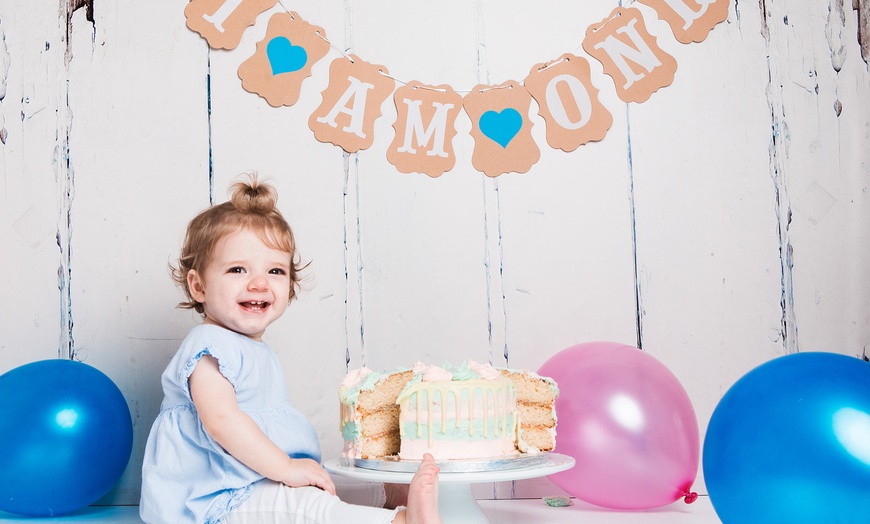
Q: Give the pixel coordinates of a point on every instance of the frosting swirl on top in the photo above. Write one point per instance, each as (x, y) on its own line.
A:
(432, 373)
(486, 371)
(463, 372)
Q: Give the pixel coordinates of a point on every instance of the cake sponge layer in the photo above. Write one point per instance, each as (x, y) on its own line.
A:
(542, 438)
(380, 422)
(536, 415)
(381, 446)
(384, 396)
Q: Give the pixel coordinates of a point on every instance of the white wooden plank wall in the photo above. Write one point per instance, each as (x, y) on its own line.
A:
(720, 224)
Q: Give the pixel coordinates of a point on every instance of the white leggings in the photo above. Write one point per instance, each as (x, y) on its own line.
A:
(273, 503)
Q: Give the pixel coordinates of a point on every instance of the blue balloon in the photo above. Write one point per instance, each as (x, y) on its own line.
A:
(790, 443)
(65, 437)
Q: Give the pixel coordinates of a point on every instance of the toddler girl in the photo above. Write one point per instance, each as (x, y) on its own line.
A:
(227, 445)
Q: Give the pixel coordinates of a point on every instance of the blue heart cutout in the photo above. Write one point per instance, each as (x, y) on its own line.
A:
(285, 57)
(501, 127)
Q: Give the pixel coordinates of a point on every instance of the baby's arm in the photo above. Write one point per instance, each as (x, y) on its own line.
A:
(215, 401)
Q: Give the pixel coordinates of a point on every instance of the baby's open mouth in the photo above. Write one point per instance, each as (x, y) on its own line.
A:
(255, 305)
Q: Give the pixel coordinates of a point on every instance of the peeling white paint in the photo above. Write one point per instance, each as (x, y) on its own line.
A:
(834, 29)
(5, 58)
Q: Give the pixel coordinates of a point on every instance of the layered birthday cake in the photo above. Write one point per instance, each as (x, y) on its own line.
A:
(470, 411)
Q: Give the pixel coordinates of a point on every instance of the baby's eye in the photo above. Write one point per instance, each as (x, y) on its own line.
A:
(236, 269)
(277, 271)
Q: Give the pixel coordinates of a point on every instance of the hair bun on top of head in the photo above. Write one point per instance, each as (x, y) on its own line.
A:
(251, 195)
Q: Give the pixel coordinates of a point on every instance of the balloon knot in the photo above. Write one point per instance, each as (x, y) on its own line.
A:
(690, 496)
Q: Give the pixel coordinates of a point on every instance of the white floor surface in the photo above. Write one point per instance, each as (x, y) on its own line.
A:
(497, 511)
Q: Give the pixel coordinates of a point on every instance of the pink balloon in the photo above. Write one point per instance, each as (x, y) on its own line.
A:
(629, 424)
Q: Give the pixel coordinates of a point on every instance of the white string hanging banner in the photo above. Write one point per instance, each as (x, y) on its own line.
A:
(425, 126)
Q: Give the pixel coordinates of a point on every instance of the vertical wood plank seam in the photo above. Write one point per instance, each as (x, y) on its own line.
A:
(835, 28)
(347, 256)
(481, 64)
(494, 267)
(496, 317)
(346, 268)
(491, 226)
(66, 184)
(482, 71)
(69, 8)
(5, 60)
(638, 290)
(360, 265)
(863, 9)
(353, 264)
(778, 154)
(210, 124)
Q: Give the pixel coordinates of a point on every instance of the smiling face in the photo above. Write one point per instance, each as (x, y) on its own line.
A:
(245, 286)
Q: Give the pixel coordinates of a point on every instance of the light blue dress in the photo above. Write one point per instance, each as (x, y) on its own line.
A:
(187, 477)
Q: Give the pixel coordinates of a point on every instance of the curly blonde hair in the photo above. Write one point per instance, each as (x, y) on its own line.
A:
(252, 205)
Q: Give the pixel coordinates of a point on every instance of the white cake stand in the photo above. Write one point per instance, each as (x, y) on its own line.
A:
(455, 500)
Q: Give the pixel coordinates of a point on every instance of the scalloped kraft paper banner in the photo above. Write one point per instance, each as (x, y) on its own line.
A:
(283, 59)
(690, 20)
(501, 129)
(568, 102)
(425, 126)
(222, 22)
(351, 103)
(630, 55)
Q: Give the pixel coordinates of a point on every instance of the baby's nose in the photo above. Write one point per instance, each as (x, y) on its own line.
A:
(258, 282)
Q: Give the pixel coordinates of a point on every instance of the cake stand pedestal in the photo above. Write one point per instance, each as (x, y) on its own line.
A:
(455, 500)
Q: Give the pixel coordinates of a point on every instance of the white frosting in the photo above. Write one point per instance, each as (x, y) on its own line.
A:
(355, 377)
(430, 373)
(437, 374)
(486, 371)
(458, 419)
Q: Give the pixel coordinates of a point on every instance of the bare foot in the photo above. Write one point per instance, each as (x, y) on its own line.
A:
(423, 494)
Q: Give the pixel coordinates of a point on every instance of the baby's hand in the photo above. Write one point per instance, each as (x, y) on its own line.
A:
(307, 472)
